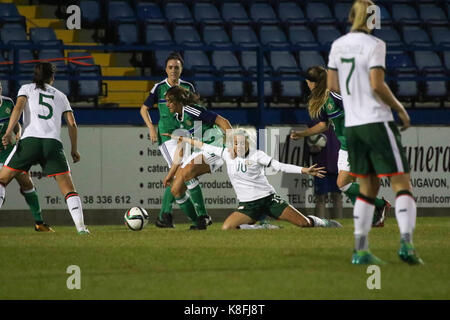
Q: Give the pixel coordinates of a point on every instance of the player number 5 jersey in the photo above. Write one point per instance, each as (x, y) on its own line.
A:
(43, 111)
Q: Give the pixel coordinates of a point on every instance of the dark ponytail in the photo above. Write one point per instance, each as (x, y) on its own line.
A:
(181, 95)
(43, 73)
(319, 94)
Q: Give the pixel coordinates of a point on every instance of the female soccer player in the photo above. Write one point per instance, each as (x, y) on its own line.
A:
(326, 106)
(356, 69)
(257, 197)
(208, 126)
(24, 180)
(166, 124)
(43, 106)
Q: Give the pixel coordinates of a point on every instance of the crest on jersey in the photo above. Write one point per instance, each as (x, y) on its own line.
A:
(8, 110)
(189, 122)
(330, 106)
(248, 162)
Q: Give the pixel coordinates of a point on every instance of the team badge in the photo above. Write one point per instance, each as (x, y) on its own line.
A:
(8, 110)
(189, 122)
(330, 106)
(248, 162)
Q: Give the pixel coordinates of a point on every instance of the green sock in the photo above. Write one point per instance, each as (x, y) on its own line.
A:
(188, 208)
(32, 199)
(196, 195)
(353, 192)
(167, 201)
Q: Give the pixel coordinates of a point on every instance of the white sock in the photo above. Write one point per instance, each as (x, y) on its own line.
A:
(76, 210)
(316, 221)
(406, 212)
(2, 194)
(362, 219)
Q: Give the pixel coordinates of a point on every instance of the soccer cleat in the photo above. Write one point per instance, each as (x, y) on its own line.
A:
(166, 221)
(329, 223)
(43, 227)
(202, 223)
(84, 231)
(408, 254)
(380, 214)
(365, 257)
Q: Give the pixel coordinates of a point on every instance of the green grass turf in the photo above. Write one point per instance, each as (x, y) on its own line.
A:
(289, 263)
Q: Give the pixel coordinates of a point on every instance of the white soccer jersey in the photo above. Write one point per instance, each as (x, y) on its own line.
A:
(247, 174)
(43, 111)
(353, 55)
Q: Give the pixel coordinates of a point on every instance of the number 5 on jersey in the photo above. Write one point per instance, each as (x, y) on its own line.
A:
(45, 104)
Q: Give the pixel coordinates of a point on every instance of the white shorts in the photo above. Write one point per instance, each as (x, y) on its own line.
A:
(214, 161)
(343, 164)
(168, 151)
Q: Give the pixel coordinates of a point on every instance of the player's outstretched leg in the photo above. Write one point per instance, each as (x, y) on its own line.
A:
(73, 201)
(165, 219)
(296, 217)
(234, 220)
(31, 197)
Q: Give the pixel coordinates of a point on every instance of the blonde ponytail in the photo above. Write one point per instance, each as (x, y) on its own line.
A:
(358, 15)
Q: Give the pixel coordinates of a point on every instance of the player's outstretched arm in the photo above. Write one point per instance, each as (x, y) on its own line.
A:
(73, 135)
(14, 120)
(290, 168)
(318, 128)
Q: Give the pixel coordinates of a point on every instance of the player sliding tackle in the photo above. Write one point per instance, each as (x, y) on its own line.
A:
(257, 198)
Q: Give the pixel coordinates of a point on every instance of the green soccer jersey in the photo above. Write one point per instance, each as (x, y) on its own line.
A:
(200, 123)
(167, 122)
(333, 110)
(6, 107)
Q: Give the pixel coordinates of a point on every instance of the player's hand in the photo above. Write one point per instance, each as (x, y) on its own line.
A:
(296, 135)
(75, 156)
(313, 171)
(153, 134)
(406, 121)
(167, 181)
(7, 139)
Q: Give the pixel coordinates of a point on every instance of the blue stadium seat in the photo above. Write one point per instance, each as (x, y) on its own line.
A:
(12, 32)
(404, 13)
(447, 59)
(326, 34)
(10, 14)
(149, 12)
(268, 88)
(389, 35)
(233, 88)
(299, 35)
(319, 12)
(283, 61)
(62, 85)
(90, 12)
(428, 61)
(291, 89)
(215, 35)
(207, 13)
(341, 11)
(415, 35)
(263, 13)
(407, 88)
(290, 12)
(243, 35)
(178, 12)
(225, 61)
(269, 34)
(53, 54)
(206, 88)
(436, 88)
(4, 68)
(127, 34)
(441, 35)
(386, 18)
(120, 11)
(42, 34)
(309, 59)
(187, 35)
(196, 60)
(157, 33)
(398, 60)
(432, 14)
(159, 57)
(5, 84)
(234, 12)
(76, 66)
(88, 89)
(249, 61)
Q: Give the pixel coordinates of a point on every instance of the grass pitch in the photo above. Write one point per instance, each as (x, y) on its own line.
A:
(289, 263)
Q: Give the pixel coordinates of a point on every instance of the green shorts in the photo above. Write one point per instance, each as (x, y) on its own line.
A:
(4, 153)
(49, 153)
(376, 148)
(271, 205)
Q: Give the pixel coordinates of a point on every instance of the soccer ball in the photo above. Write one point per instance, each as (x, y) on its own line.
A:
(136, 218)
(317, 140)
